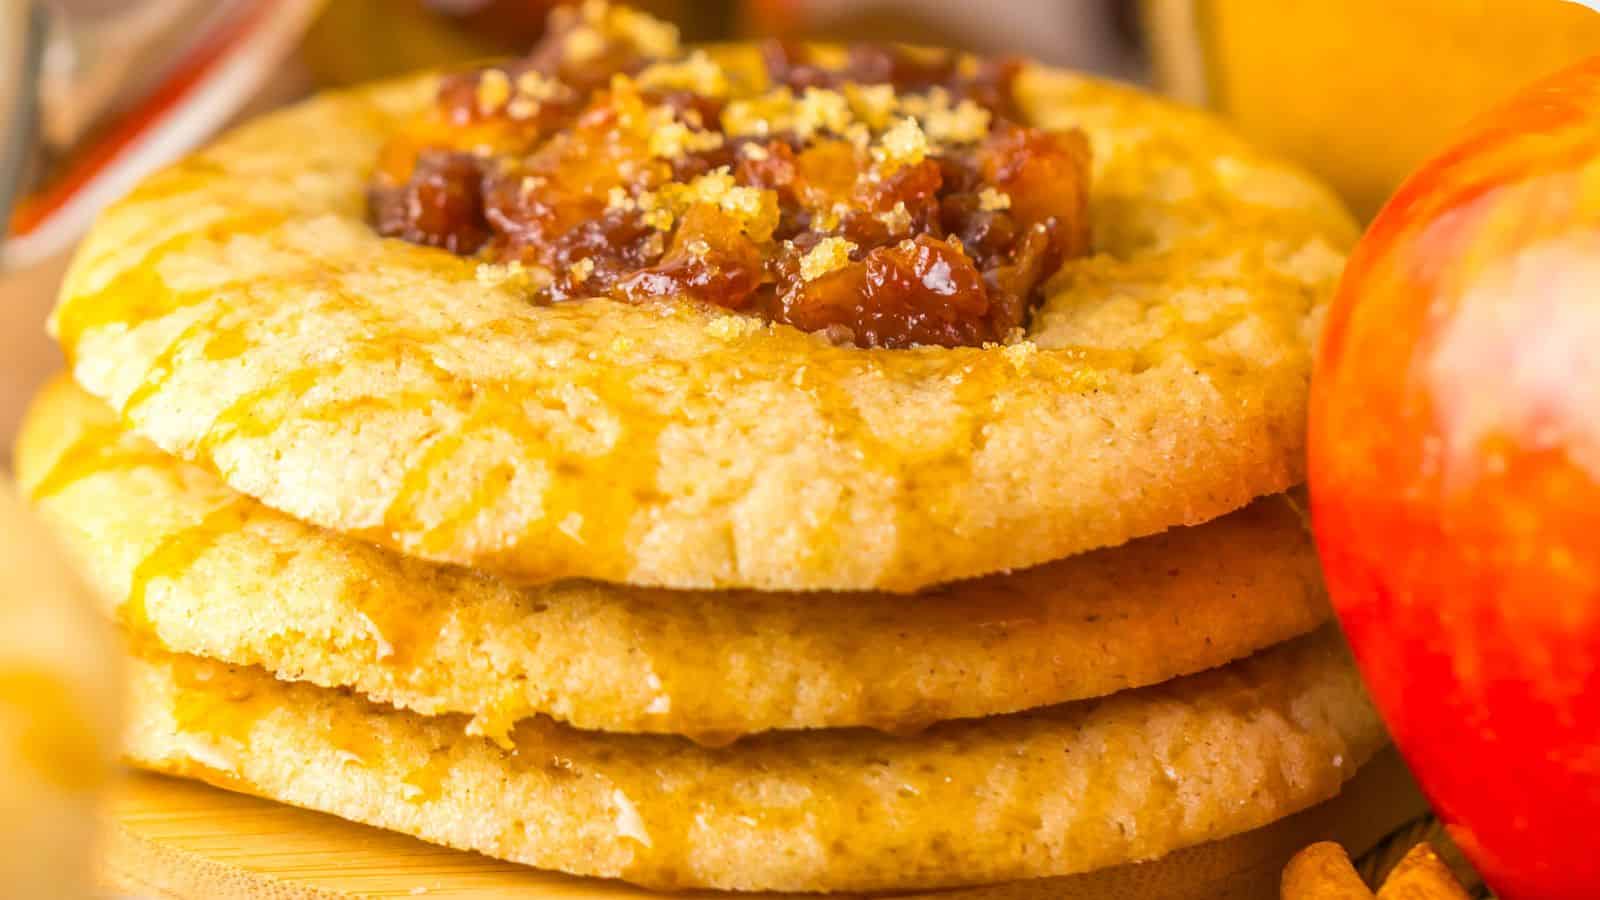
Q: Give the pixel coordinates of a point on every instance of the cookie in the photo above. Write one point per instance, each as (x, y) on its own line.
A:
(201, 569)
(240, 311)
(1053, 792)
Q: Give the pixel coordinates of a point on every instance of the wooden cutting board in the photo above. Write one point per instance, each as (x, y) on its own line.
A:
(177, 840)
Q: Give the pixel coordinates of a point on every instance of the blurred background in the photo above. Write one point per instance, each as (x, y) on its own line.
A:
(1359, 90)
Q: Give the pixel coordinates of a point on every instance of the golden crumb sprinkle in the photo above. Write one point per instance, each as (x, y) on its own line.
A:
(581, 270)
(965, 123)
(821, 111)
(675, 139)
(730, 328)
(697, 74)
(874, 104)
(512, 274)
(817, 111)
(658, 218)
(713, 186)
(904, 144)
(1020, 353)
(494, 90)
(830, 255)
(750, 204)
(494, 274)
(767, 114)
(536, 86)
(897, 220)
(619, 200)
(992, 200)
(946, 121)
(756, 210)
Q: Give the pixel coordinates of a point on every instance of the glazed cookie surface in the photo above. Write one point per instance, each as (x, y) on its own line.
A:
(1054, 792)
(185, 560)
(239, 311)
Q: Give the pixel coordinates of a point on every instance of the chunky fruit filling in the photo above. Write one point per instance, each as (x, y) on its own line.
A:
(884, 198)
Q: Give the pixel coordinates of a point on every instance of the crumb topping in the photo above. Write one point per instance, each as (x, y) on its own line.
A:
(830, 255)
(494, 91)
(991, 200)
(695, 75)
(904, 144)
(896, 199)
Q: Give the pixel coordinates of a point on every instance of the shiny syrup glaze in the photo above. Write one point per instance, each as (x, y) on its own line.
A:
(404, 629)
(850, 227)
(402, 632)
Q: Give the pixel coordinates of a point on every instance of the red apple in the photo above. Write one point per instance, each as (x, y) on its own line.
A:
(1455, 476)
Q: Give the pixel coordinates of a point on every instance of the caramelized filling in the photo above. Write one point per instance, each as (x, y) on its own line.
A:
(893, 200)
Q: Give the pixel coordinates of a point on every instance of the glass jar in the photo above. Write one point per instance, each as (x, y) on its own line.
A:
(1361, 91)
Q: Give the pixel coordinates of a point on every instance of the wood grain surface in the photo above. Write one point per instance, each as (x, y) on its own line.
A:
(180, 840)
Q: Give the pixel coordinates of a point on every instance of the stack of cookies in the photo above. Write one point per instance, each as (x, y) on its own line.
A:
(683, 590)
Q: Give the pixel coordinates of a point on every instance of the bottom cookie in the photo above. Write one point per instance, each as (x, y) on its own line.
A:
(1060, 791)
(187, 841)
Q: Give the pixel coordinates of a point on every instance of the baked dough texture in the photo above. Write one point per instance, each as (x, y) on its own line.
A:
(184, 559)
(238, 311)
(1053, 792)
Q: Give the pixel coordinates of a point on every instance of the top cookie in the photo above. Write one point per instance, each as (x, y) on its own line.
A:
(242, 310)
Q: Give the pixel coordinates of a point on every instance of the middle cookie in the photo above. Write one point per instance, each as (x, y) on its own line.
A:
(202, 570)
